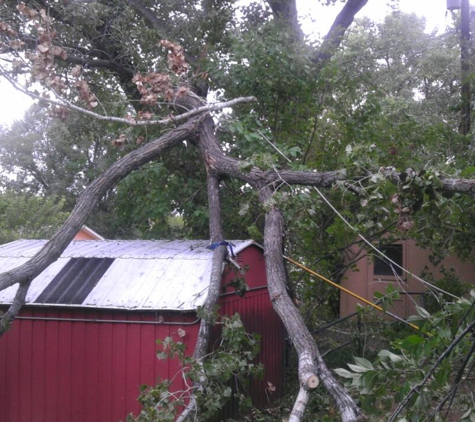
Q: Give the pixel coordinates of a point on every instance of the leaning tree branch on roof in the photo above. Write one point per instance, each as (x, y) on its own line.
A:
(216, 235)
(204, 333)
(18, 301)
(84, 206)
(310, 362)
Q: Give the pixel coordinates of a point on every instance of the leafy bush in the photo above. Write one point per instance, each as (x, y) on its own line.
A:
(420, 375)
(450, 282)
(209, 380)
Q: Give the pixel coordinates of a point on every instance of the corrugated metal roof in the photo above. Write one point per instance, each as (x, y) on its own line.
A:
(75, 281)
(144, 275)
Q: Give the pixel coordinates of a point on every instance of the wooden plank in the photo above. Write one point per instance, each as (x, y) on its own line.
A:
(64, 370)
(93, 400)
(52, 346)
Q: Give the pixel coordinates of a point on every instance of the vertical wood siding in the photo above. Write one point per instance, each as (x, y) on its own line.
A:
(75, 371)
(259, 317)
(82, 371)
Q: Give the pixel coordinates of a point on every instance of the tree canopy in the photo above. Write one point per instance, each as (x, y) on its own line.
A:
(206, 118)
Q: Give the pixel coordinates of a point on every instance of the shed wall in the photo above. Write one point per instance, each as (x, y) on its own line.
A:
(56, 367)
(259, 317)
(83, 371)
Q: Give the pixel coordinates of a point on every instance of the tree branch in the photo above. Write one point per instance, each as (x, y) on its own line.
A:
(61, 102)
(88, 200)
(298, 332)
(447, 184)
(335, 35)
(216, 235)
(148, 16)
(19, 300)
(299, 406)
(286, 12)
(416, 388)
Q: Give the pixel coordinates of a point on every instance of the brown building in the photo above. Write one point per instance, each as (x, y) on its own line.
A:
(372, 275)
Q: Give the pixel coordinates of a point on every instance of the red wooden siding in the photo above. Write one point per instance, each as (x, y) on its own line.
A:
(82, 371)
(86, 365)
(260, 318)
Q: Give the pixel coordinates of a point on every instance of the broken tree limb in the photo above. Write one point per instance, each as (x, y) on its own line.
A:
(84, 206)
(297, 330)
(216, 235)
(307, 377)
(18, 302)
(62, 102)
(311, 364)
(299, 406)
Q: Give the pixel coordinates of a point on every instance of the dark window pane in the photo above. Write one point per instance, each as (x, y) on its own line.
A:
(384, 267)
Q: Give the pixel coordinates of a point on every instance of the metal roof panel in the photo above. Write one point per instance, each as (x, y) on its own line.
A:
(145, 274)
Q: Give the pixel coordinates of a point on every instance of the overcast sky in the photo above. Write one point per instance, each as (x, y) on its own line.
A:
(14, 104)
(433, 10)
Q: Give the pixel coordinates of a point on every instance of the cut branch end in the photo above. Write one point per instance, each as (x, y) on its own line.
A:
(313, 381)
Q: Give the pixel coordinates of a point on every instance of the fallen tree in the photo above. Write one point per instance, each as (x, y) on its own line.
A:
(181, 92)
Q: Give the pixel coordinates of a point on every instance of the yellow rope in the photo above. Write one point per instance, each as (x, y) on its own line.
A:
(379, 308)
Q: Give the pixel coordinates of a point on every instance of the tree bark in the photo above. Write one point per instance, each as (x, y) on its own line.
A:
(84, 206)
(219, 254)
(300, 336)
(286, 12)
(335, 35)
(300, 405)
(14, 308)
(465, 114)
(311, 364)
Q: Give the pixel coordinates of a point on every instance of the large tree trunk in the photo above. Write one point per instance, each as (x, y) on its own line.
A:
(311, 364)
(219, 254)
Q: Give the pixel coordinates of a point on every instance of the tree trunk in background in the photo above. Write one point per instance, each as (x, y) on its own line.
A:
(465, 115)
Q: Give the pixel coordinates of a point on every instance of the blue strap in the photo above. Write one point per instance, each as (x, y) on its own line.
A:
(213, 246)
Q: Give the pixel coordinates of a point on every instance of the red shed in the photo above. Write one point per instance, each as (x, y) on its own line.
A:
(85, 341)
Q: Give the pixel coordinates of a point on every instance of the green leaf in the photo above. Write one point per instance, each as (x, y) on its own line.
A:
(368, 381)
(422, 312)
(412, 340)
(467, 172)
(365, 363)
(467, 413)
(344, 373)
(357, 368)
(384, 354)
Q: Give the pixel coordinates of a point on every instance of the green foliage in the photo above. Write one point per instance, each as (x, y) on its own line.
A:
(415, 361)
(57, 159)
(29, 216)
(450, 282)
(222, 376)
(240, 285)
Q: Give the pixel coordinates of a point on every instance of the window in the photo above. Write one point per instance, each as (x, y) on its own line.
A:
(383, 266)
